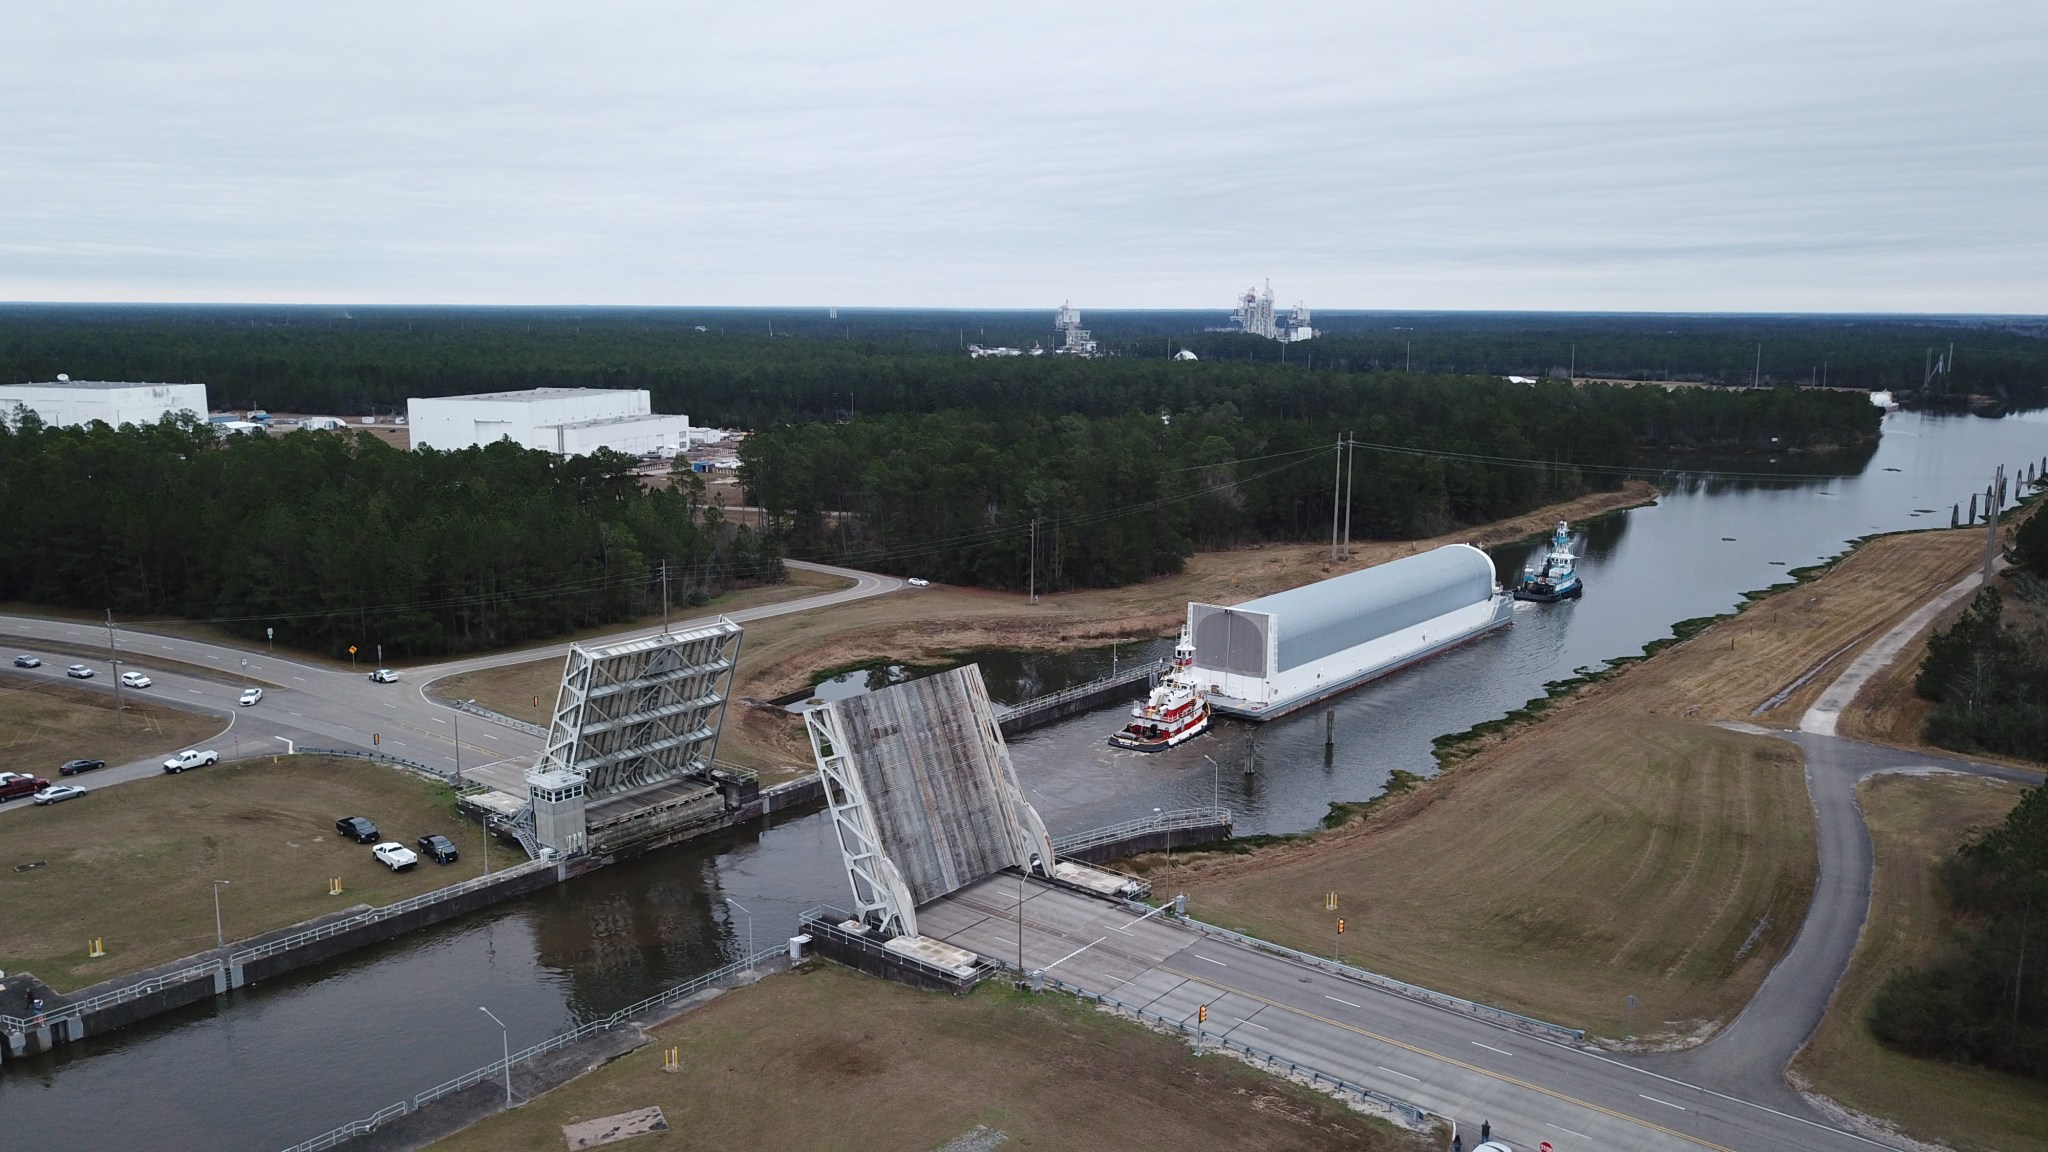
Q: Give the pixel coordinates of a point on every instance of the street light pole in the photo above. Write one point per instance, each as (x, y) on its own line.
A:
(458, 746)
(750, 925)
(220, 939)
(505, 1034)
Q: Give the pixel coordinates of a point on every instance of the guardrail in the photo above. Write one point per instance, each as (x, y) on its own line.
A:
(497, 1068)
(1414, 1113)
(475, 709)
(1500, 1016)
(1129, 675)
(372, 916)
(104, 1000)
(1163, 822)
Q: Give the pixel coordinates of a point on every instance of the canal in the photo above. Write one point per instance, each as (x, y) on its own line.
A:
(269, 1066)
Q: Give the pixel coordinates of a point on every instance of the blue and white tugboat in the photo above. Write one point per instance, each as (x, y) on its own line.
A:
(1558, 577)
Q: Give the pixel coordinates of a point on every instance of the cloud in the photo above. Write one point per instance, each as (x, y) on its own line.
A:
(1873, 156)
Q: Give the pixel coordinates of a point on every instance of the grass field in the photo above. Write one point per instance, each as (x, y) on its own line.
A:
(1619, 845)
(1915, 823)
(821, 1057)
(44, 724)
(1612, 857)
(136, 864)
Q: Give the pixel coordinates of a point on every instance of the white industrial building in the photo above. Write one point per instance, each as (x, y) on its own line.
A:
(570, 421)
(70, 403)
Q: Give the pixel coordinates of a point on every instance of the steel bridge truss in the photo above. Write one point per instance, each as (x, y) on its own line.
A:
(923, 795)
(644, 711)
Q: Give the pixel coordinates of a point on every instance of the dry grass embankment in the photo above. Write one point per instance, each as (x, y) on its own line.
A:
(821, 1057)
(136, 864)
(44, 724)
(1620, 846)
(1916, 822)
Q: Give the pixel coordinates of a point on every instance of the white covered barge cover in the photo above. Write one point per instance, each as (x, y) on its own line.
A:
(1269, 656)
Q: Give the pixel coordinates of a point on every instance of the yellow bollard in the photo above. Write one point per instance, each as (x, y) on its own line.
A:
(97, 948)
(334, 886)
(672, 1060)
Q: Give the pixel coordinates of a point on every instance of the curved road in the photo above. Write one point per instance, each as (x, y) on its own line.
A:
(311, 705)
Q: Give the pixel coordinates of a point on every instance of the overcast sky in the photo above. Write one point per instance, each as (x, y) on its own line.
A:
(1857, 156)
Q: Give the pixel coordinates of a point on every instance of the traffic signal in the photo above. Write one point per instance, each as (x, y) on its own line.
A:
(1202, 1014)
(1340, 925)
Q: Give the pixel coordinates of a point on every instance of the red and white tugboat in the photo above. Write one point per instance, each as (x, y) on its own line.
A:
(1174, 712)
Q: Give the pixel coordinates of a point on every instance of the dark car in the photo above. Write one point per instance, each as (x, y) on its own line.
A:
(356, 828)
(439, 848)
(74, 767)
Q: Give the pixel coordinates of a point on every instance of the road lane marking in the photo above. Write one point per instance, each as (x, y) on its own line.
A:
(1491, 1048)
(438, 720)
(1457, 1063)
(1218, 963)
(1402, 1075)
(300, 679)
(1569, 1132)
(1343, 1001)
(488, 736)
(1260, 1027)
(1666, 1103)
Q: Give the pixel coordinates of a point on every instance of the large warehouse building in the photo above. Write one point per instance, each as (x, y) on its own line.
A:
(69, 403)
(1266, 657)
(571, 421)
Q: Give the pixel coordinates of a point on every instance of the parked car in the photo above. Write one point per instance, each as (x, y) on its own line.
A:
(395, 856)
(439, 848)
(74, 767)
(134, 680)
(16, 784)
(918, 582)
(384, 676)
(191, 758)
(78, 672)
(251, 696)
(56, 792)
(356, 828)
(26, 661)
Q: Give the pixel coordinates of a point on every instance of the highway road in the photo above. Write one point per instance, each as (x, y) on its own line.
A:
(313, 705)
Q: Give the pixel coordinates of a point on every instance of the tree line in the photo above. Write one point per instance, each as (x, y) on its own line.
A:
(339, 540)
(758, 367)
(1007, 496)
(1987, 673)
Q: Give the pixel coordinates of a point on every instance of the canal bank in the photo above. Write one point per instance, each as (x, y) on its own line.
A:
(291, 1054)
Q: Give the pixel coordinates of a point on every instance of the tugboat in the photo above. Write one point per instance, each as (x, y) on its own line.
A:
(1558, 578)
(1173, 713)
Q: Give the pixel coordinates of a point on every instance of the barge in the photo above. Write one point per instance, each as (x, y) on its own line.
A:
(1270, 656)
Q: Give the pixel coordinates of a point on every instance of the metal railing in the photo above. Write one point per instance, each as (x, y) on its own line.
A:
(118, 996)
(1127, 676)
(497, 1068)
(475, 709)
(1174, 821)
(1414, 1113)
(1429, 996)
(384, 758)
(373, 915)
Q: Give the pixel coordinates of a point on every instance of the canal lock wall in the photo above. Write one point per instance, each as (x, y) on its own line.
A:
(1080, 698)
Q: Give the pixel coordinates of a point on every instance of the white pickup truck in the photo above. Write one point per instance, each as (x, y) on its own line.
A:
(191, 758)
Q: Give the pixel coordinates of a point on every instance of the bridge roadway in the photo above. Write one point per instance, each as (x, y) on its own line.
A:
(307, 704)
(1453, 1064)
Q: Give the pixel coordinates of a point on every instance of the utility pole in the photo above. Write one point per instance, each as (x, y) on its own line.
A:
(458, 746)
(1994, 501)
(1350, 487)
(1756, 375)
(1033, 586)
(114, 662)
(1336, 495)
(664, 597)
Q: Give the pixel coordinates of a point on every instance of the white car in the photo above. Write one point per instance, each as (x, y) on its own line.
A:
(191, 758)
(78, 672)
(918, 582)
(56, 792)
(384, 676)
(251, 696)
(134, 680)
(395, 856)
